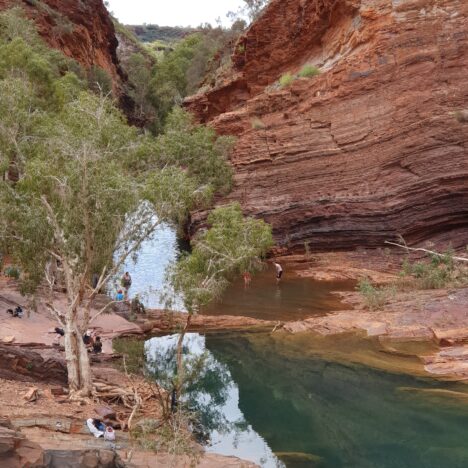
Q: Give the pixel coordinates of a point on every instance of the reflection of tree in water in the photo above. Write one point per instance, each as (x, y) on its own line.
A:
(206, 382)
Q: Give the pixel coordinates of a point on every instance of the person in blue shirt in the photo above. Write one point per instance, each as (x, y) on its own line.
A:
(120, 295)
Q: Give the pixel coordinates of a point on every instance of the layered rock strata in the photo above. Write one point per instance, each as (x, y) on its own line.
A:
(82, 30)
(373, 146)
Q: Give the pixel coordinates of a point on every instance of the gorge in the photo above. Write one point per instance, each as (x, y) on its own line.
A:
(350, 126)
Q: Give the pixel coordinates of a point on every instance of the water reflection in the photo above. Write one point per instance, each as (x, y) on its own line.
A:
(313, 412)
(213, 395)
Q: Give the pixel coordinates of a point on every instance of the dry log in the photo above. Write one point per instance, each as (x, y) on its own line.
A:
(419, 249)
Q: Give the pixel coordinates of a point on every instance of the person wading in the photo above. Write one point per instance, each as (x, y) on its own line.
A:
(279, 271)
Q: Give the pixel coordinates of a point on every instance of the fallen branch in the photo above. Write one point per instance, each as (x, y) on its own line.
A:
(419, 249)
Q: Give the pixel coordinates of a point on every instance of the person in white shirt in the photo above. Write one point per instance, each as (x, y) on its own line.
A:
(279, 271)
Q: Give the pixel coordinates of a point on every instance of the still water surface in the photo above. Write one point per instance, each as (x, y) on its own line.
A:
(283, 401)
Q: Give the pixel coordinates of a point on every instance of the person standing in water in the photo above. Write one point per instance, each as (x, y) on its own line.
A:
(247, 279)
(126, 282)
(279, 271)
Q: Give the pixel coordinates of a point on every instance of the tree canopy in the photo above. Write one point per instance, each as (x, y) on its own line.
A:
(232, 245)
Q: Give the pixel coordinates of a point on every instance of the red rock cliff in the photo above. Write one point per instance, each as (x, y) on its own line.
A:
(368, 149)
(82, 30)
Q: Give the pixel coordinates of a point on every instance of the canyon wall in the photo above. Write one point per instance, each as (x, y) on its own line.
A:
(373, 147)
(82, 30)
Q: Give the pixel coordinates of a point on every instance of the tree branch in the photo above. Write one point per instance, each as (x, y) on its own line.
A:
(414, 249)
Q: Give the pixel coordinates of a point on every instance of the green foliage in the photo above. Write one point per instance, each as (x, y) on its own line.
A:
(99, 80)
(181, 70)
(154, 32)
(196, 148)
(138, 68)
(439, 272)
(232, 245)
(173, 437)
(286, 80)
(307, 71)
(250, 9)
(134, 352)
(170, 84)
(375, 297)
(12, 272)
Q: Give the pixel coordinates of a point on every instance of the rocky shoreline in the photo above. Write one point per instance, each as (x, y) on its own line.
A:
(31, 360)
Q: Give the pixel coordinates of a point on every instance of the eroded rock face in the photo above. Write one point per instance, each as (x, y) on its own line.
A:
(82, 30)
(368, 149)
(16, 451)
(29, 366)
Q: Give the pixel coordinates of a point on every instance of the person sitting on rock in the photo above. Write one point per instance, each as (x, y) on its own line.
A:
(18, 312)
(119, 296)
(96, 427)
(87, 338)
(109, 433)
(137, 306)
(97, 345)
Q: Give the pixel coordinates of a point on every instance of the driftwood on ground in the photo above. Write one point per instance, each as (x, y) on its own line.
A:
(431, 252)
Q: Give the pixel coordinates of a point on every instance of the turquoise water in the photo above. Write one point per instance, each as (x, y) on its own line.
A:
(264, 400)
(313, 412)
(296, 401)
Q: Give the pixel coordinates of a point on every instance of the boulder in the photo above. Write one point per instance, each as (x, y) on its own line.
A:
(18, 452)
(19, 363)
(83, 459)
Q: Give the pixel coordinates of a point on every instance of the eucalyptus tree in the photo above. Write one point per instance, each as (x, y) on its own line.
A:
(232, 245)
(79, 204)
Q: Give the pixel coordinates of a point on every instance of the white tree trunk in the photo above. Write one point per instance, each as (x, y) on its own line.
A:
(86, 381)
(71, 356)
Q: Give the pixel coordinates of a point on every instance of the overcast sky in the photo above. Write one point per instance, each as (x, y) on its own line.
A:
(172, 12)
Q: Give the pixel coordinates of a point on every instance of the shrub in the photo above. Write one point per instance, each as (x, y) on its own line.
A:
(12, 272)
(257, 124)
(134, 351)
(99, 80)
(308, 71)
(374, 297)
(286, 80)
(438, 272)
(172, 436)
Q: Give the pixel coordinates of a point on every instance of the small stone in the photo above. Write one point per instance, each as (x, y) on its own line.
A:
(104, 412)
(8, 339)
(31, 395)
